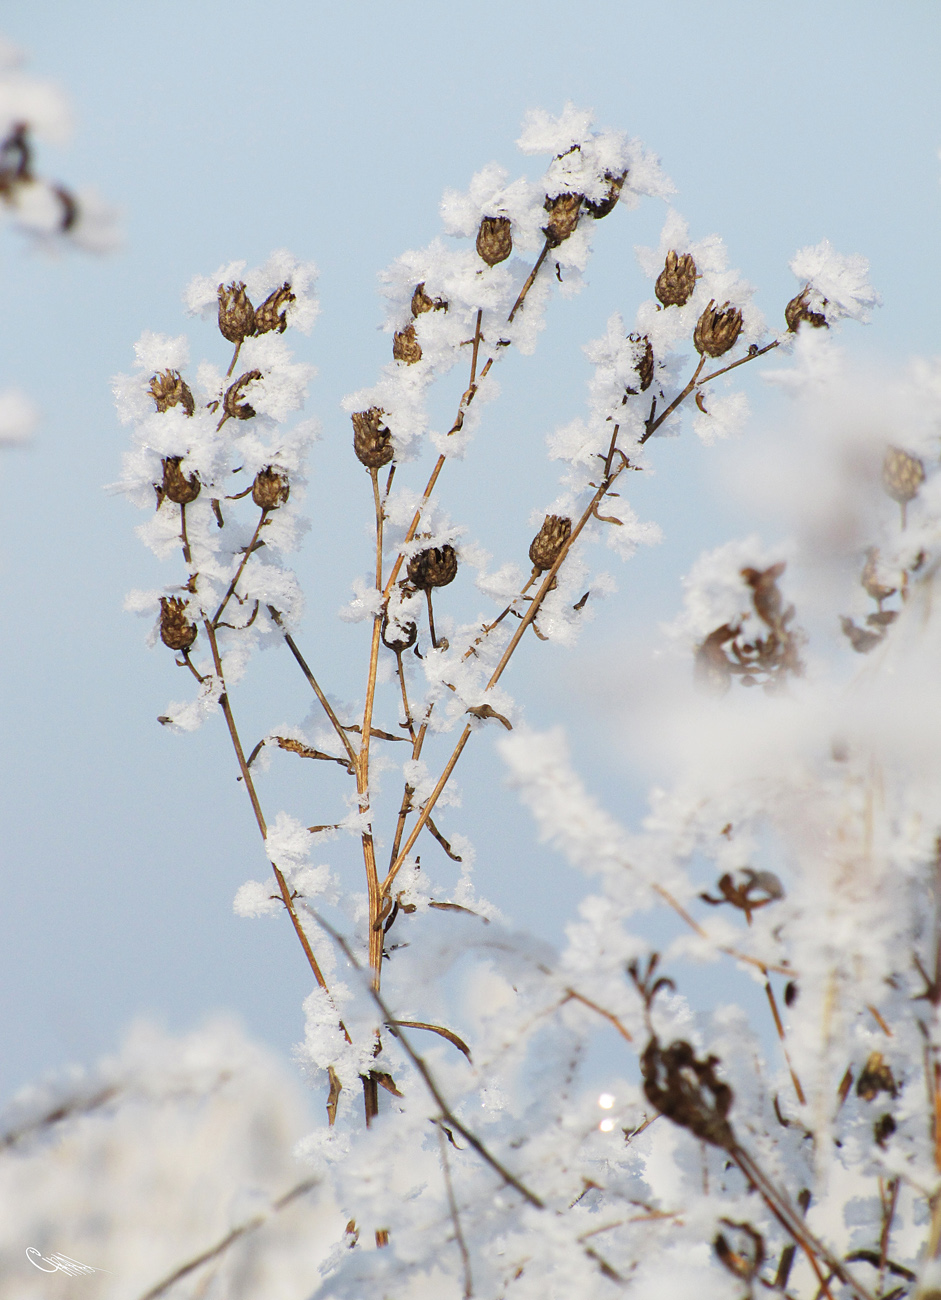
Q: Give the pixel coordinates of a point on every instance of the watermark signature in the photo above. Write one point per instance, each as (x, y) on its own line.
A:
(58, 1263)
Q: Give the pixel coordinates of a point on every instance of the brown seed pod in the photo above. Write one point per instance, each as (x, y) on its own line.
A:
(406, 347)
(231, 404)
(270, 489)
(236, 313)
(601, 207)
(643, 363)
(797, 311)
(176, 631)
(548, 542)
(435, 567)
(422, 303)
(869, 578)
(168, 388)
(176, 486)
(407, 635)
(717, 329)
(876, 1077)
(677, 280)
(564, 211)
(902, 475)
(494, 240)
(372, 441)
(269, 315)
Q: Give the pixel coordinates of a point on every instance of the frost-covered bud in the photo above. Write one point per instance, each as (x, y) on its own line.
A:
(643, 363)
(372, 441)
(406, 347)
(236, 313)
(494, 241)
(677, 280)
(548, 542)
(176, 486)
(601, 207)
(270, 489)
(176, 631)
(231, 404)
(168, 388)
(433, 568)
(717, 329)
(269, 315)
(870, 578)
(564, 211)
(876, 1077)
(797, 310)
(422, 303)
(902, 475)
(404, 635)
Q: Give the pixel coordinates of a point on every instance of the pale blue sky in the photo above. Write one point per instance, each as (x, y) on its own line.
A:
(227, 129)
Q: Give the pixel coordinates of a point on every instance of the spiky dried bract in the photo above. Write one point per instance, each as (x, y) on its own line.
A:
(176, 631)
(547, 544)
(435, 567)
(422, 303)
(717, 329)
(270, 489)
(168, 388)
(236, 313)
(176, 486)
(494, 240)
(687, 1091)
(232, 403)
(564, 211)
(798, 311)
(602, 207)
(270, 316)
(372, 440)
(406, 347)
(677, 280)
(902, 475)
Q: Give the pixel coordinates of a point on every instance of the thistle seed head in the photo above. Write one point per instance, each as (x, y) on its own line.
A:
(269, 315)
(717, 329)
(372, 441)
(564, 211)
(494, 240)
(231, 403)
(236, 313)
(176, 486)
(677, 280)
(797, 310)
(601, 207)
(435, 567)
(422, 303)
(168, 388)
(398, 636)
(902, 475)
(406, 347)
(270, 489)
(176, 631)
(643, 363)
(548, 542)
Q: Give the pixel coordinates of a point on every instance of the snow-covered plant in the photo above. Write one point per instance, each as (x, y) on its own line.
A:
(784, 1142)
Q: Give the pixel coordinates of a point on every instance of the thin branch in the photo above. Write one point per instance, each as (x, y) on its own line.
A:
(240, 570)
(312, 682)
(455, 1218)
(530, 281)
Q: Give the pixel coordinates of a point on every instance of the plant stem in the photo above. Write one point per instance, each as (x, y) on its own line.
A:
(362, 766)
(241, 569)
(312, 682)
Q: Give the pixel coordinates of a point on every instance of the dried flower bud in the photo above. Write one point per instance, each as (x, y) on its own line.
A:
(176, 486)
(406, 347)
(548, 542)
(902, 475)
(372, 441)
(404, 635)
(176, 631)
(876, 1077)
(231, 404)
(643, 363)
(797, 310)
(433, 568)
(870, 578)
(494, 241)
(236, 313)
(717, 329)
(677, 280)
(269, 315)
(601, 207)
(270, 489)
(422, 303)
(167, 388)
(564, 211)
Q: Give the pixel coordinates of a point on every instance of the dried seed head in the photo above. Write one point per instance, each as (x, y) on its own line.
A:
(797, 310)
(167, 388)
(869, 578)
(677, 280)
(176, 631)
(548, 542)
(180, 489)
(433, 568)
(876, 1077)
(643, 363)
(269, 315)
(398, 636)
(601, 207)
(236, 313)
(270, 489)
(406, 347)
(564, 211)
(231, 404)
(717, 329)
(494, 240)
(902, 475)
(422, 303)
(372, 441)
